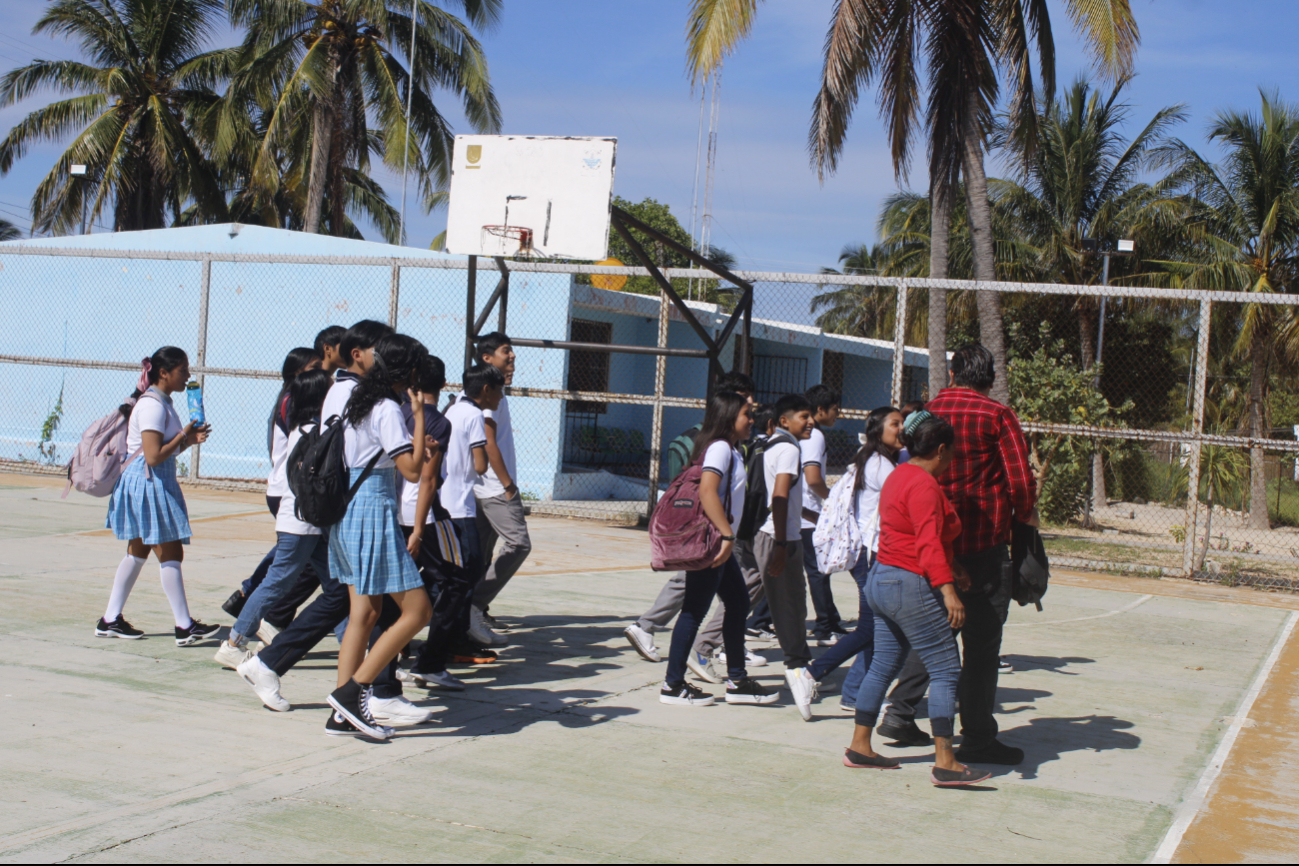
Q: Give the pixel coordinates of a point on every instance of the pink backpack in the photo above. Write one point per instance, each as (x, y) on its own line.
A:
(682, 538)
(101, 456)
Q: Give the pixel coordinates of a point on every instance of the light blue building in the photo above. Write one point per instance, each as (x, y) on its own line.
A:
(101, 308)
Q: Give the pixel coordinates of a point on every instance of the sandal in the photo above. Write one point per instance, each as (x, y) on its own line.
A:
(858, 761)
(958, 778)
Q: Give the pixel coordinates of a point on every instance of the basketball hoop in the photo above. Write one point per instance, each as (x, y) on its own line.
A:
(522, 236)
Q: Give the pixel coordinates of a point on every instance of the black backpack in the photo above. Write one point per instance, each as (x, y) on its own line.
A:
(317, 475)
(755, 492)
(1032, 571)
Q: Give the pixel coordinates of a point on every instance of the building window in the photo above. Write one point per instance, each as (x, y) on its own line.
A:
(588, 370)
(775, 376)
(832, 370)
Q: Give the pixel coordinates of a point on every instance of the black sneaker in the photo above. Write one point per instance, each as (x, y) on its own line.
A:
(196, 632)
(748, 691)
(992, 752)
(685, 695)
(908, 734)
(352, 700)
(117, 628)
(234, 605)
(840, 629)
(337, 726)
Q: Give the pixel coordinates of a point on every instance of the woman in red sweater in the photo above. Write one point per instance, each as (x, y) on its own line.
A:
(912, 591)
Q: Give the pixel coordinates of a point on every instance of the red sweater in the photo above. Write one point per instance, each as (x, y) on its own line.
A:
(917, 525)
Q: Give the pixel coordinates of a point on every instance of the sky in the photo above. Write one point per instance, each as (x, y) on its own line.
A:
(598, 67)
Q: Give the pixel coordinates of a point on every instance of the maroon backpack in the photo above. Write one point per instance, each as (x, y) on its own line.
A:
(682, 538)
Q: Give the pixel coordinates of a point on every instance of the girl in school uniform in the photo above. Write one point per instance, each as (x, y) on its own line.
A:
(367, 549)
(147, 509)
(727, 422)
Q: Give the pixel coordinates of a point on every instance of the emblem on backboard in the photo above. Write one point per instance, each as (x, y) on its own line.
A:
(473, 153)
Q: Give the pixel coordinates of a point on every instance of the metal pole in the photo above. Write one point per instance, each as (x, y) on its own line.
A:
(505, 294)
(410, 90)
(1197, 431)
(746, 360)
(656, 427)
(900, 344)
(205, 293)
(470, 305)
(394, 296)
(1100, 330)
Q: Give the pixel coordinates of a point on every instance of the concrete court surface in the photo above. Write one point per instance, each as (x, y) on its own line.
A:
(111, 750)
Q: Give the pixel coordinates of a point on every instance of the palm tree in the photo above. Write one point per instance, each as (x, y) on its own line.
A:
(1246, 215)
(144, 82)
(965, 45)
(333, 67)
(9, 231)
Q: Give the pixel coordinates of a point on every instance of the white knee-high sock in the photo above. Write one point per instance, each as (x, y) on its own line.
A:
(174, 585)
(127, 572)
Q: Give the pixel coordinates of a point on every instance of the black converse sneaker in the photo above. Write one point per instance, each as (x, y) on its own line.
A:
(748, 691)
(196, 632)
(337, 726)
(685, 695)
(117, 628)
(352, 700)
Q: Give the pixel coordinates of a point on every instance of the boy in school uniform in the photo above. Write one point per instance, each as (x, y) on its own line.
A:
(327, 347)
(778, 546)
(500, 508)
(825, 413)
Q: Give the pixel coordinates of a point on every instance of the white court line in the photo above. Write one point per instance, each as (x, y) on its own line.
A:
(1192, 805)
(1133, 606)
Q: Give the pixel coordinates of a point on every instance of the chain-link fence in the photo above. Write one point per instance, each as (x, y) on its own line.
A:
(1189, 392)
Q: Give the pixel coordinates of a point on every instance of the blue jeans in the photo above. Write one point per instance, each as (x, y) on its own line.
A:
(818, 586)
(292, 554)
(727, 584)
(910, 613)
(860, 642)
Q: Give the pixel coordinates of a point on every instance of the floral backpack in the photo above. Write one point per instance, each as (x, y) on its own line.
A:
(837, 537)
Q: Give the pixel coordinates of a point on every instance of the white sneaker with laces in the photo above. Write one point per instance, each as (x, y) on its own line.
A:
(643, 642)
(481, 633)
(751, 659)
(397, 712)
(266, 632)
(701, 666)
(265, 682)
(231, 656)
(803, 689)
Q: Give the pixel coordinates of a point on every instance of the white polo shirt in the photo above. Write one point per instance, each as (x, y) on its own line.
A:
(489, 485)
(158, 415)
(382, 432)
(721, 459)
(339, 393)
(783, 458)
(458, 475)
(813, 451)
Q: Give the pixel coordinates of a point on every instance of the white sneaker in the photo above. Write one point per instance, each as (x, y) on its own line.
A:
(751, 659)
(266, 633)
(265, 683)
(481, 633)
(397, 712)
(231, 656)
(440, 680)
(701, 666)
(803, 689)
(643, 642)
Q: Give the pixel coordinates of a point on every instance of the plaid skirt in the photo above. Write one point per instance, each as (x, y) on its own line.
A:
(150, 509)
(367, 548)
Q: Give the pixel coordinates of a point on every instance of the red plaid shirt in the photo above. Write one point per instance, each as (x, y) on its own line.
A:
(990, 480)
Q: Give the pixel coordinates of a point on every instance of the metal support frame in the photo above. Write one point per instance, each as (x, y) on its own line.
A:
(656, 414)
(200, 352)
(394, 295)
(471, 307)
(1197, 431)
(474, 320)
(899, 341)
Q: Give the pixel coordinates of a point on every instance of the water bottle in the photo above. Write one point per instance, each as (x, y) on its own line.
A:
(194, 394)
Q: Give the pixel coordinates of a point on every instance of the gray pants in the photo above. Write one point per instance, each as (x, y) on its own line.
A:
(710, 638)
(666, 606)
(787, 598)
(913, 682)
(501, 518)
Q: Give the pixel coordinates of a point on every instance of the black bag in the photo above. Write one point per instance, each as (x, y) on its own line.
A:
(1031, 570)
(317, 475)
(755, 492)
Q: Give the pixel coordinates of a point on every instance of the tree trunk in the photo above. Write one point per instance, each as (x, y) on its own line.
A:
(322, 127)
(1087, 324)
(1257, 475)
(991, 328)
(1208, 531)
(940, 205)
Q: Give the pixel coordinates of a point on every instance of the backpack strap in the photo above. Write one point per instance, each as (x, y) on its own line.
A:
(365, 473)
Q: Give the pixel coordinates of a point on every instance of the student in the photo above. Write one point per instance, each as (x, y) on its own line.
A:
(367, 550)
(825, 412)
(298, 361)
(500, 509)
(327, 347)
(779, 546)
(727, 422)
(912, 591)
(356, 354)
(448, 584)
(640, 634)
(465, 463)
(298, 544)
(874, 463)
(147, 509)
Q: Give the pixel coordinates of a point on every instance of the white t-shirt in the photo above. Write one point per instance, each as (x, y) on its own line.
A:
(458, 475)
(813, 450)
(383, 430)
(878, 469)
(783, 458)
(277, 483)
(152, 414)
(725, 461)
(489, 485)
(285, 519)
(339, 393)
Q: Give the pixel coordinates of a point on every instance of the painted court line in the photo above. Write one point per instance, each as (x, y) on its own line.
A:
(1192, 805)
(1133, 606)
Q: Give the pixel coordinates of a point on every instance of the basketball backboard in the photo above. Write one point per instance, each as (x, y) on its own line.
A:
(540, 196)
